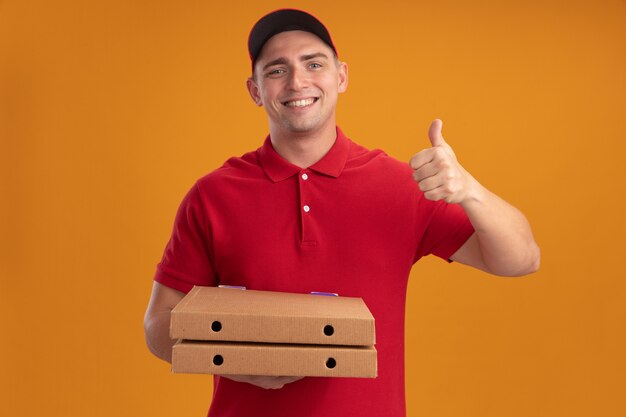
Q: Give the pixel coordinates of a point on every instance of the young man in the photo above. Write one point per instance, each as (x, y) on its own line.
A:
(310, 210)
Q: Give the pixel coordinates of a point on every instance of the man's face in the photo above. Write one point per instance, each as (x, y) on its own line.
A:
(297, 79)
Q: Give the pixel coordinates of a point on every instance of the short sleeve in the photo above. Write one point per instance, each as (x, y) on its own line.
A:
(186, 260)
(447, 229)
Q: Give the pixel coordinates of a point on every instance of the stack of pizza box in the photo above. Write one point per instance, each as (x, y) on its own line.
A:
(230, 331)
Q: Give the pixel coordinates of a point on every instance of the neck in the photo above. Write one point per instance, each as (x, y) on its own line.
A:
(303, 149)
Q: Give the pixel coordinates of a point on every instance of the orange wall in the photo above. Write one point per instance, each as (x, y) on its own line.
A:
(109, 111)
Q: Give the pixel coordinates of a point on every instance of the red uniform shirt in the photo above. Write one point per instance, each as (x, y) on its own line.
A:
(353, 223)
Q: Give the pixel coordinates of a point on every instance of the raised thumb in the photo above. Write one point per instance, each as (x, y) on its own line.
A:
(434, 133)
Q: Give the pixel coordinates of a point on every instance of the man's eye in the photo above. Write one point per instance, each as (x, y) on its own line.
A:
(276, 71)
(315, 65)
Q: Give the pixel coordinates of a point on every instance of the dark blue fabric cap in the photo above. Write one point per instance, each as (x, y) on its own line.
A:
(284, 20)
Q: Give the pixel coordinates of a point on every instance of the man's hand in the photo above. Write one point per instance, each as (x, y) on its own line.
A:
(503, 242)
(267, 382)
(438, 173)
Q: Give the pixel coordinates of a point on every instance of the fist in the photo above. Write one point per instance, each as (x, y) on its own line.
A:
(438, 173)
(267, 382)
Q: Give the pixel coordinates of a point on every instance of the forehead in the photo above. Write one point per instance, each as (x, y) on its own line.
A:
(294, 42)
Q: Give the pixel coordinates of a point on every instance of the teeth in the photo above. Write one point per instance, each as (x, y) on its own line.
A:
(300, 103)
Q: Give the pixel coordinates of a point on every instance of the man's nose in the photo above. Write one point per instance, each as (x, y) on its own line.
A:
(297, 79)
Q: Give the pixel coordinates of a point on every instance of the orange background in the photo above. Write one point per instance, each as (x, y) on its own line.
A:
(110, 110)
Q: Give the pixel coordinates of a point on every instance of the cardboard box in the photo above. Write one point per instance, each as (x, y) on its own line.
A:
(212, 313)
(236, 358)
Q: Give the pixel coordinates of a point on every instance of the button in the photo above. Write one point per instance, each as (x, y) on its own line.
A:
(306, 209)
(305, 177)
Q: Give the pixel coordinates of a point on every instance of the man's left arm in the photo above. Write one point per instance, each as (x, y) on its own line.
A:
(503, 242)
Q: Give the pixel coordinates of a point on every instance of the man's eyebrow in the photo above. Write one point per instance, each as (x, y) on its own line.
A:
(283, 61)
(279, 61)
(315, 55)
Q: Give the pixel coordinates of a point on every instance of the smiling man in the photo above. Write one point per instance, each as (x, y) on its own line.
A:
(311, 210)
(297, 78)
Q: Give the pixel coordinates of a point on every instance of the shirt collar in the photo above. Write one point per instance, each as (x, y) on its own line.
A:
(277, 168)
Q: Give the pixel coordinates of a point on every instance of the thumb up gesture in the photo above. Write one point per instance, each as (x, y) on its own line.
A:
(438, 173)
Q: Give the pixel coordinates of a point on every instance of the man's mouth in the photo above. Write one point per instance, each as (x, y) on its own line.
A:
(300, 103)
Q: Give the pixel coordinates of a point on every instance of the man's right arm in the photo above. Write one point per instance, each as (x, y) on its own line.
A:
(156, 323)
(156, 327)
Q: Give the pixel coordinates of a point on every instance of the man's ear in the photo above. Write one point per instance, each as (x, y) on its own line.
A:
(253, 89)
(343, 77)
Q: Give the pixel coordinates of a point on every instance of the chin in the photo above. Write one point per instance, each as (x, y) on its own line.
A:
(301, 129)
(302, 126)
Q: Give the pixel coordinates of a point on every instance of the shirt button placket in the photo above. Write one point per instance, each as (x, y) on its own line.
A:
(306, 219)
